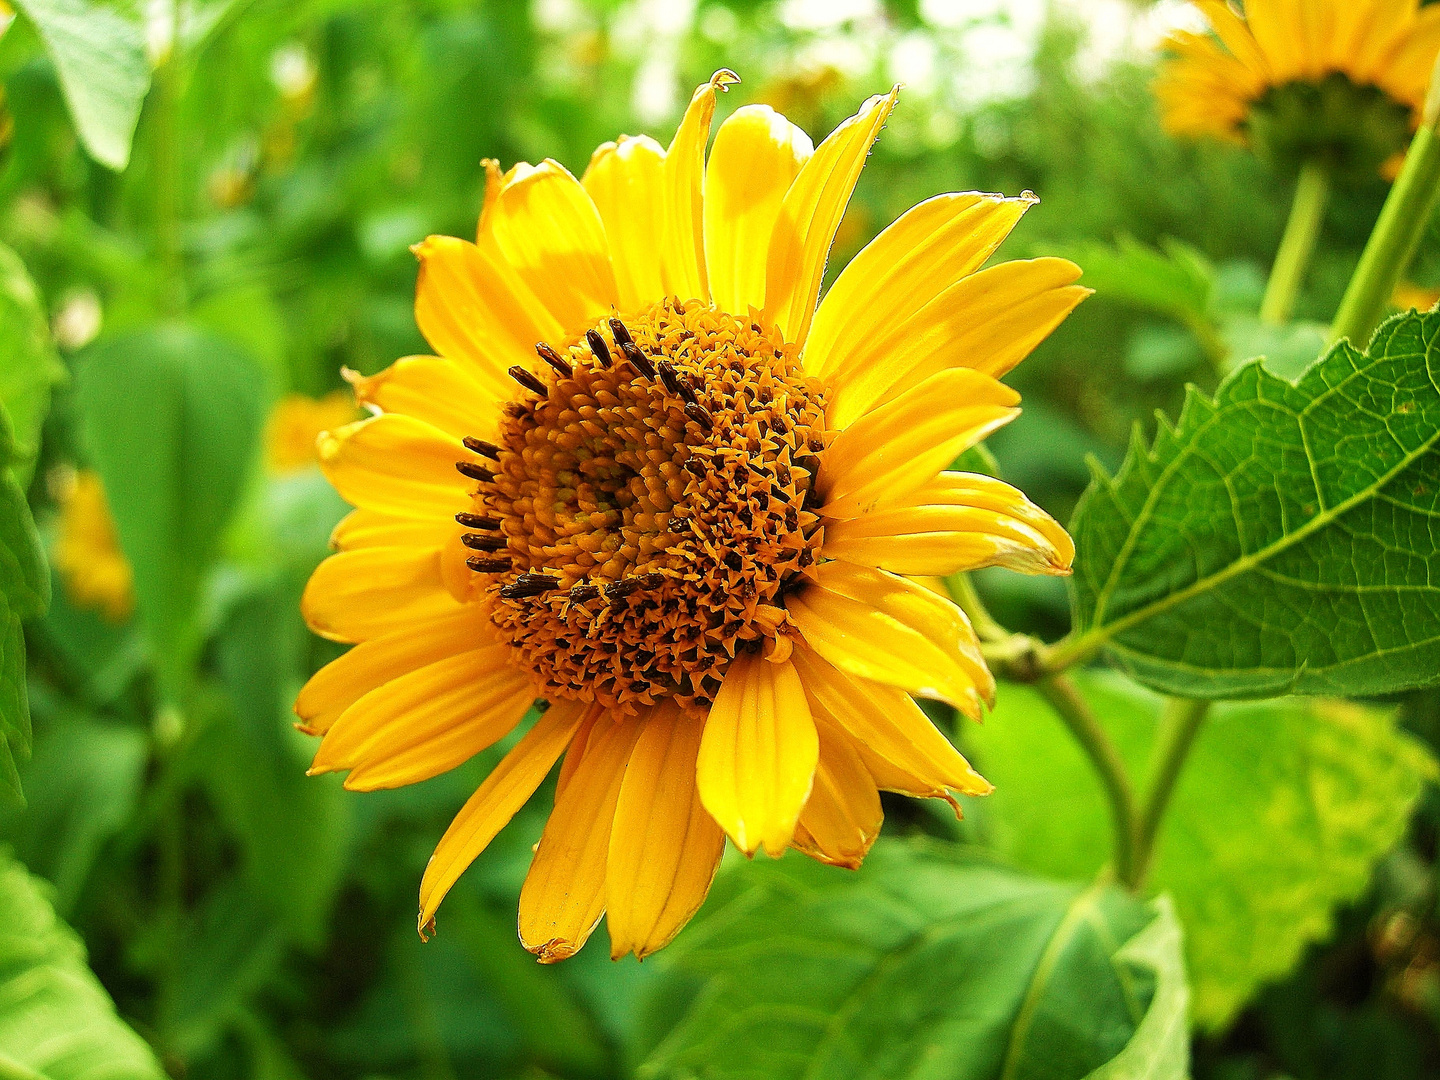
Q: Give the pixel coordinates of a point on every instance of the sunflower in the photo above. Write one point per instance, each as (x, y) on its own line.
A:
(648, 483)
(87, 550)
(1341, 80)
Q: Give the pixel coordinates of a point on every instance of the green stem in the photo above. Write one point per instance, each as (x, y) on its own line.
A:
(1397, 233)
(1075, 711)
(1307, 214)
(1183, 720)
(962, 591)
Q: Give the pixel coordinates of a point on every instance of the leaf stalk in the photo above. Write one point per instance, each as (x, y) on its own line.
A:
(1397, 233)
(1072, 708)
(1183, 720)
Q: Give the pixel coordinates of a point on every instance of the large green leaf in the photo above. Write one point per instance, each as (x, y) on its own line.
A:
(1281, 813)
(1281, 537)
(24, 594)
(28, 364)
(56, 1021)
(293, 828)
(99, 52)
(172, 416)
(923, 964)
(83, 780)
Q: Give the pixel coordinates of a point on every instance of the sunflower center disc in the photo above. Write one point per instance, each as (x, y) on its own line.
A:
(652, 504)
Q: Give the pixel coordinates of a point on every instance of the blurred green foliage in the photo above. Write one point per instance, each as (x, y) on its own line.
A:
(248, 921)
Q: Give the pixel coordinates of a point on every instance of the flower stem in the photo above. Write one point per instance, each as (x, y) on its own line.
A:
(963, 592)
(1183, 720)
(1301, 232)
(1397, 233)
(1075, 711)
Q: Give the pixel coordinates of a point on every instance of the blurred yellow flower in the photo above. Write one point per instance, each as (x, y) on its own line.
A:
(685, 518)
(87, 551)
(1408, 295)
(296, 423)
(1341, 80)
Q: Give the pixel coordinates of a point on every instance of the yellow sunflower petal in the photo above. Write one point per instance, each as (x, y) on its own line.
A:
(546, 228)
(396, 465)
(989, 321)
(473, 308)
(443, 393)
(427, 721)
(756, 156)
(626, 180)
(758, 754)
(358, 595)
(682, 251)
(344, 681)
(958, 521)
(881, 627)
(496, 801)
(664, 847)
(371, 528)
(898, 447)
(810, 214)
(926, 250)
(886, 723)
(1230, 28)
(564, 893)
(842, 817)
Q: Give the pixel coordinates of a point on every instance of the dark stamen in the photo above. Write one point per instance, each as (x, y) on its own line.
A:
(529, 380)
(622, 334)
(618, 590)
(484, 541)
(650, 581)
(482, 565)
(477, 521)
(684, 388)
(598, 347)
(700, 415)
(483, 448)
(474, 472)
(528, 584)
(669, 376)
(638, 359)
(583, 594)
(554, 359)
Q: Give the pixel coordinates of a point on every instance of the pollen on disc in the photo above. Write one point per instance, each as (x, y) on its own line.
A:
(652, 523)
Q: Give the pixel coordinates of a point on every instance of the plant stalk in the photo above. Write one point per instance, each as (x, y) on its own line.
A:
(1307, 214)
(1075, 711)
(1183, 719)
(1397, 233)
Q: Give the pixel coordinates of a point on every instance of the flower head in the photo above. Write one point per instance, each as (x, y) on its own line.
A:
(647, 481)
(1339, 80)
(87, 550)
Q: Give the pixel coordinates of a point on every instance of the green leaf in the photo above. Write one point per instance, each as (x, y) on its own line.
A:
(99, 52)
(83, 779)
(28, 364)
(1282, 811)
(56, 1021)
(172, 416)
(1175, 280)
(229, 947)
(293, 828)
(923, 964)
(24, 594)
(1281, 537)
